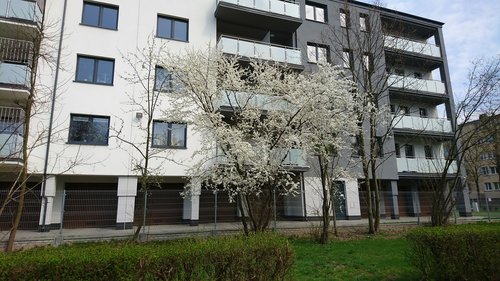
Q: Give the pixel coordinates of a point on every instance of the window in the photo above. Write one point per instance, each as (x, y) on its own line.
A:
(423, 112)
(100, 15)
(497, 185)
(346, 58)
(493, 170)
(393, 109)
(317, 53)
(367, 62)
(487, 156)
(398, 150)
(404, 109)
(171, 28)
(163, 79)
(485, 171)
(357, 150)
(169, 135)
(429, 154)
(363, 22)
(88, 129)
(315, 12)
(345, 20)
(409, 151)
(488, 186)
(95, 70)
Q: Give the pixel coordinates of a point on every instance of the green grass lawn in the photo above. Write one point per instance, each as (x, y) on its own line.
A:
(363, 259)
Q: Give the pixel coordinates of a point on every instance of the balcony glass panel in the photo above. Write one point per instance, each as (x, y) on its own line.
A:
(416, 123)
(423, 165)
(14, 74)
(252, 49)
(287, 8)
(19, 9)
(11, 132)
(410, 83)
(412, 46)
(242, 99)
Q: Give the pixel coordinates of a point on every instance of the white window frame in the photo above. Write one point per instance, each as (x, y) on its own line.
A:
(315, 12)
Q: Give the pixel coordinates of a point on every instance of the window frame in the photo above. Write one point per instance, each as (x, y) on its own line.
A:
(168, 87)
(169, 135)
(347, 64)
(409, 147)
(316, 7)
(317, 48)
(428, 152)
(366, 18)
(347, 18)
(91, 117)
(172, 27)
(100, 6)
(488, 186)
(95, 69)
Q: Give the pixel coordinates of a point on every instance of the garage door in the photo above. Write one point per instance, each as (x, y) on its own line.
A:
(164, 205)
(90, 205)
(31, 211)
(226, 212)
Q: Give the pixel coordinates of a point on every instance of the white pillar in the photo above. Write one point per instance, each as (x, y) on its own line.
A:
(191, 208)
(127, 190)
(47, 199)
(352, 199)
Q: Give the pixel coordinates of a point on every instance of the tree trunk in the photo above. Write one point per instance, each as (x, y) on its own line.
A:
(325, 222)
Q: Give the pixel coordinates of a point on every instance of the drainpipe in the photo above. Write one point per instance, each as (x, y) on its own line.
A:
(54, 92)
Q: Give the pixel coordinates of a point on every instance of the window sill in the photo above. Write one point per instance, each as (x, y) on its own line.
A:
(86, 144)
(100, 27)
(170, 147)
(172, 39)
(93, 83)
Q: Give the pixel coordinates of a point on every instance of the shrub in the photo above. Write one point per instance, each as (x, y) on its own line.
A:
(257, 257)
(462, 252)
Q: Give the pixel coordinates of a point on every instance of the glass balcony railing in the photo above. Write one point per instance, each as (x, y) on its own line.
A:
(245, 100)
(411, 46)
(259, 50)
(21, 9)
(424, 165)
(421, 124)
(294, 157)
(414, 84)
(15, 74)
(286, 8)
(11, 132)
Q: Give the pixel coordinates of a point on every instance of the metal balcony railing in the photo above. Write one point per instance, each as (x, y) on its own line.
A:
(11, 132)
(424, 165)
(286, 8)
(21, 9)
(410, 83)
(16, 51)
(422, 124)
(413, 46)
(259, 50)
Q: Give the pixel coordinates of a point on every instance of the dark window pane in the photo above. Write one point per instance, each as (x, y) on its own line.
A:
(99, 133)
(85, 71)
(90, 14)
(88, 130)
(163, 80)
(178, 134)
(109, 17)
(164, 28)
(160, 134)
(181, 30)
(104, 72)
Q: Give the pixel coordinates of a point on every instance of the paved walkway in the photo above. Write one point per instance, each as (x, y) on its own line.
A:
(27, 237)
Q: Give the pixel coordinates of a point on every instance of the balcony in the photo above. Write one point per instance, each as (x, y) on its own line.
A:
(416, 85)
(421, 125)
(260, 50)
(26, 11)
(282, 15)
(293, 159)
(15, 74)
(11, 133)
(424, 165)
(231, 100)
(412, 46)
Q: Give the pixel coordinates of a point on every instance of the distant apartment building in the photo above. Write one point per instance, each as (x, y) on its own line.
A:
(482, 163)
(94, 172)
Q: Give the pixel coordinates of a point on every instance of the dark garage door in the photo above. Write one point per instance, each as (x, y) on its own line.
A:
(31, 211)
(164, 205)
(226, 212)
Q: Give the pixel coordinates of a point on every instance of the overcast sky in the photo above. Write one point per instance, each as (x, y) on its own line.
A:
(471, 30)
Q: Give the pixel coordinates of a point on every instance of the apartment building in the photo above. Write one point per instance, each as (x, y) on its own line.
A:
(90, 98)
(482, 163)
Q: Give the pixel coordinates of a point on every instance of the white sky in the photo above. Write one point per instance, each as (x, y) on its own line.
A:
(471, 30)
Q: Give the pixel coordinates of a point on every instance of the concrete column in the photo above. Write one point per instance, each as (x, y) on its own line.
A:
(353, 210)
(394, 201)
(415, 202)
(463, 203)
(50, 193)
(191, 207)
(127, 191)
